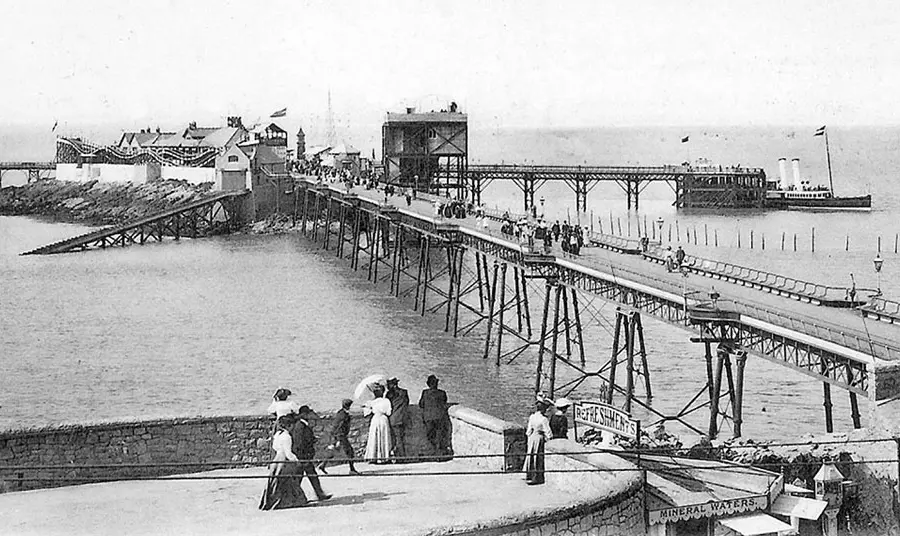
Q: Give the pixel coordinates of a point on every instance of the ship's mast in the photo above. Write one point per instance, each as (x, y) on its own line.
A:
(828, 157)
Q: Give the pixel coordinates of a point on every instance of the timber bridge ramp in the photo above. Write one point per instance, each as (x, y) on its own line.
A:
(216, 213)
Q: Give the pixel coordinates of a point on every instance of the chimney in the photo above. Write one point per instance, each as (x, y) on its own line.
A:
(410, 109)
(795, 163)
(782, 169)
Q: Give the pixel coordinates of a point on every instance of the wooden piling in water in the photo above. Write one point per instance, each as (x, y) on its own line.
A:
(813, 240)
(705, 235)
(782, 240)
(795, 241)
(751, 238)
(879, 243)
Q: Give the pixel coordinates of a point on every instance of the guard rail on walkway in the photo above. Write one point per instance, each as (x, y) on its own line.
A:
(882, 309)
(805, 291)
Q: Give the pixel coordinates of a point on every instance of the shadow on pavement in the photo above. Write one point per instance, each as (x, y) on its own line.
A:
(356, 499)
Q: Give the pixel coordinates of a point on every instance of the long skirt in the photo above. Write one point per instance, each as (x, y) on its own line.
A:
(378, 446)
(534, 459)
(283, 488)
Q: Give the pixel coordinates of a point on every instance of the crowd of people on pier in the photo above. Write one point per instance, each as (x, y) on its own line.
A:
(294, 440)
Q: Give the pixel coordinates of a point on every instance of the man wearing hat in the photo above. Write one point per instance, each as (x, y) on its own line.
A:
(398, 418)
(559, 422)
(340, 429)
(433, 403)
(304, 447)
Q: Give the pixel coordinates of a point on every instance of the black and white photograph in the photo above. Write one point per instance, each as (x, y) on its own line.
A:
(412, 268)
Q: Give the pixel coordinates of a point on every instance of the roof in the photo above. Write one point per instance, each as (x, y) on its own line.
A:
(436, 117)
(219, 137)
(265, 155)
(317, 150)
(262, 127)
(687, 488)
(344, 148)
(199, 133)
(829, 473)
(166, 139)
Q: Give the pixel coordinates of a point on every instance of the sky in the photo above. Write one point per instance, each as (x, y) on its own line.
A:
(508, 63)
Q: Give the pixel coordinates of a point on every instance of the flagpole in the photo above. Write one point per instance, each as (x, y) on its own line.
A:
(828, 158)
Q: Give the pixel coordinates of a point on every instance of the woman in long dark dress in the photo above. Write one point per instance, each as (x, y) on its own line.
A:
(538, 432)
(283, 487)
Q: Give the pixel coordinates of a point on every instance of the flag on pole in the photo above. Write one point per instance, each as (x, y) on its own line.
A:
(279, 113)
(685, 139)
(820, 131)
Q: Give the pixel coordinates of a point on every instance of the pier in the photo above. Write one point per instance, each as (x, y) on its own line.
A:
(449, 265)
(694, 187)
(36, 170)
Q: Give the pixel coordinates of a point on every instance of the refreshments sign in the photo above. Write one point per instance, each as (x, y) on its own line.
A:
(605, 417)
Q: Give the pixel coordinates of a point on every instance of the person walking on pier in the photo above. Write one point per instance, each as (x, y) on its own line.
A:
(398, 419)
(669, 259)
(537, 432)
(283, 488)
(304, 447)
(556, 230)
(340, 430)
(433, 404)
(679, 257)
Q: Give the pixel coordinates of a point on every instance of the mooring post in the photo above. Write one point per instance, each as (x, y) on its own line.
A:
(541, 346)
(738, 408)
(578, 332)
(614, 357)
(490, 317)
(555, 346)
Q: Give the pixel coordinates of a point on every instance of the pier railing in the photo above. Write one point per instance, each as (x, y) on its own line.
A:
(762, 279)
(882, 309)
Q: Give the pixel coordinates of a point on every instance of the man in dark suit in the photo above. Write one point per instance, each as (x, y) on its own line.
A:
(304, 447)
(340, 429)
(434, 413)
(398, 419)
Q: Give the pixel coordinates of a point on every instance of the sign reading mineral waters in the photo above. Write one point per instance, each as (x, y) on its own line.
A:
(605, 417)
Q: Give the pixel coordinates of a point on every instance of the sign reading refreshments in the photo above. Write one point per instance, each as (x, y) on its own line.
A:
(605, 417)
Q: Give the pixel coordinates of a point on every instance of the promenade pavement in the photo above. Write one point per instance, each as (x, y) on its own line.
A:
(849, 321)
(373, 504)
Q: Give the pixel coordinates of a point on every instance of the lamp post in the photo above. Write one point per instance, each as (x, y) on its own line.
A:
(659, 226)
(878, 262)
(542, 207)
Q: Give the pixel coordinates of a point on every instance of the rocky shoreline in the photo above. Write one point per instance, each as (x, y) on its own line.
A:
(97, 203)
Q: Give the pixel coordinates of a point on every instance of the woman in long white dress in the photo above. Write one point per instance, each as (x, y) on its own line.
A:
(538, 432)
(378, 446)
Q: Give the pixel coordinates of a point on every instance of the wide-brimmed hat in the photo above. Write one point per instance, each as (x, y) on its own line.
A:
(393, 381)
(562, 403)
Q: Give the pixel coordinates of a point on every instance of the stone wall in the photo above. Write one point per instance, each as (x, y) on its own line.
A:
(475, 433)
(617, 507)
(49, 457)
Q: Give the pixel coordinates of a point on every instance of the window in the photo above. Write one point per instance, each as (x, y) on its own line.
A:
(232, 159)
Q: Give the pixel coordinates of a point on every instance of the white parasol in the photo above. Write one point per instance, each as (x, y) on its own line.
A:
(366, 382)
